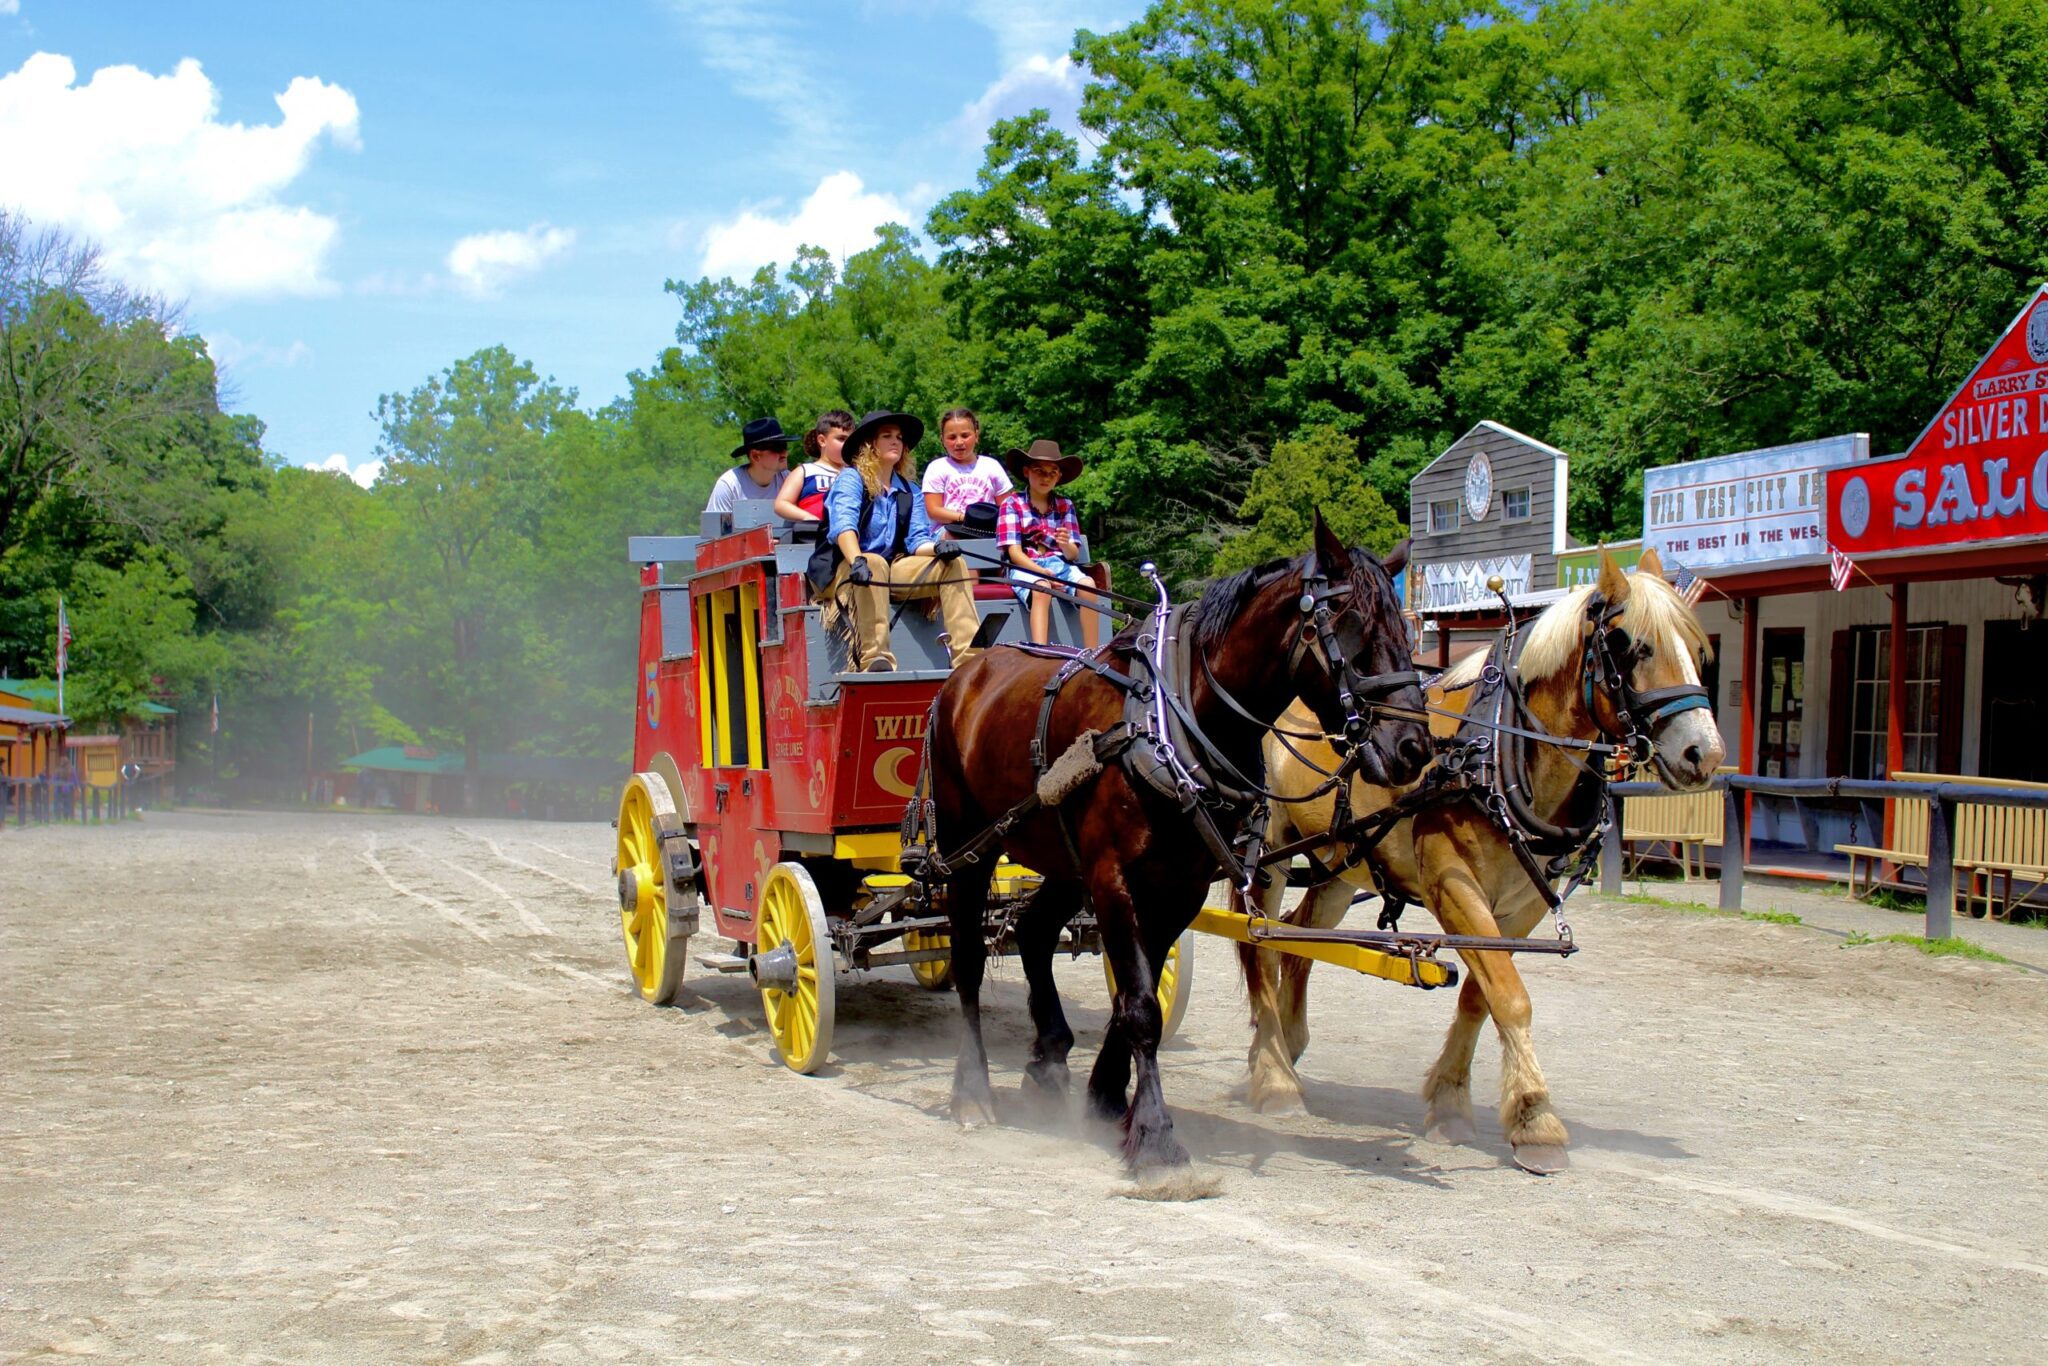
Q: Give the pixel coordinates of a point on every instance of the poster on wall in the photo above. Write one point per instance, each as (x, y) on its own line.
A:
(1978, 473)
(1739, 509)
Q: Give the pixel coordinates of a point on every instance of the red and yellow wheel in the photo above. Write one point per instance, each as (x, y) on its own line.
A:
(794, 966)
(656, 942)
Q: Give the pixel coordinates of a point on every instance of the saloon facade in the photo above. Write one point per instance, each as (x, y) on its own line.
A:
(1933, 658)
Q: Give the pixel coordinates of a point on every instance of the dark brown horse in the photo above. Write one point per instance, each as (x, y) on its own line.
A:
(1262, 637)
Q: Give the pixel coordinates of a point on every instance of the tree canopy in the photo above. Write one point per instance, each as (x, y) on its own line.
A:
(1297, 250)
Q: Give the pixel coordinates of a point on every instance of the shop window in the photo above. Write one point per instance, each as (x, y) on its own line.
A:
(1443, 516)
(1860, 700)
(1783, 713)
(1514, 505)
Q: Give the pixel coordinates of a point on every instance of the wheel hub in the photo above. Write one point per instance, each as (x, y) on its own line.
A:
(774, 970)
(629, 890)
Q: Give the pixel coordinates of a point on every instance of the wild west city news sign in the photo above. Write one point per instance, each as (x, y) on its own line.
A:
(1978, 473)
(1739, 509)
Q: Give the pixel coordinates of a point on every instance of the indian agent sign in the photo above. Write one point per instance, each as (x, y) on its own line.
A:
(1978, 473)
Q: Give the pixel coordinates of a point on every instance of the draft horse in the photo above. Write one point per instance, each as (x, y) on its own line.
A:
(1619, 661)
(1325, 627)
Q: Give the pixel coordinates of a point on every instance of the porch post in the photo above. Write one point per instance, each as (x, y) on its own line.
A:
(1895, 706)
(1752, 693)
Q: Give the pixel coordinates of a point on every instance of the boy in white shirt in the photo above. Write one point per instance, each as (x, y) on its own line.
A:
(964, 477)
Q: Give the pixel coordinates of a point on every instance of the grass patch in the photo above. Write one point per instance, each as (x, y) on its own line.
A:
(1699, 908)
(1951, 947)
(1892, 899)
(1645, 899)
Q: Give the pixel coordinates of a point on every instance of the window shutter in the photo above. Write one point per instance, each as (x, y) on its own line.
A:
(1840, 694)
(1950, 743)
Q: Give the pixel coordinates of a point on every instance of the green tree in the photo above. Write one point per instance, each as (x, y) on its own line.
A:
(468, 469)
(1315, 471)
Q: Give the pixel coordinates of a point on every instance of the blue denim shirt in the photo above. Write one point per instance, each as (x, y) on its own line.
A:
(842, 506)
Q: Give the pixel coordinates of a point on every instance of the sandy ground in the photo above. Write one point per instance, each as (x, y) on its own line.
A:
(331, 1089)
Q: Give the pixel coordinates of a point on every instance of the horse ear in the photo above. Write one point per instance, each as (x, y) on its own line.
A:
(1613, 583)
(1651, 563)
(1396, 559)
(1331, 556)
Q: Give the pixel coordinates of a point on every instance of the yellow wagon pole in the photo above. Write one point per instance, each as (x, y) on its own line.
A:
(1236, 925)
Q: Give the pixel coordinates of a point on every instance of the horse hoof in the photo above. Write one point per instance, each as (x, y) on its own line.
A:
(1280, 1103)
(1452, 1131)
(1053, 1078)
(971, 1112)
(1109, 1110)
(1544, 1159)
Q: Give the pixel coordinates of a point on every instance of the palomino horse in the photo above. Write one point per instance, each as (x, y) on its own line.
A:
(1458, 863)
(1325, 627)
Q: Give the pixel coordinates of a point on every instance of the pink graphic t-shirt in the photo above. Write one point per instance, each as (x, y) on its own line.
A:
(985, 481)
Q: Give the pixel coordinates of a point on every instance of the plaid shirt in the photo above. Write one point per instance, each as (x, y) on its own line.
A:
(1018, 523)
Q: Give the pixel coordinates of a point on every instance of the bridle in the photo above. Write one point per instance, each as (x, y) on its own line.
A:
(1360, 694)
(1609, 664)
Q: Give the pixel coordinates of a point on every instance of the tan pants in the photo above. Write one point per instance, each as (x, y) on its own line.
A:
(912, 576)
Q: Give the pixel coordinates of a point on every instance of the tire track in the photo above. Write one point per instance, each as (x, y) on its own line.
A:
(438, 906)
(1817, 1211)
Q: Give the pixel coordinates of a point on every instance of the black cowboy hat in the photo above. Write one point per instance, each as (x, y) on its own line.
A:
(1045, 452)
(763, 433)
(913, 431)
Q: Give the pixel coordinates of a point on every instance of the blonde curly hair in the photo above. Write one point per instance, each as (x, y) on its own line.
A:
(869, 462)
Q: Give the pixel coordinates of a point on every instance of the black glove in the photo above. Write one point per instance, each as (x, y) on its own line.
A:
(945, 550)
(860, 574)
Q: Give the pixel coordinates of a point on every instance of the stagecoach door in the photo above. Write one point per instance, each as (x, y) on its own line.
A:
(729, 710)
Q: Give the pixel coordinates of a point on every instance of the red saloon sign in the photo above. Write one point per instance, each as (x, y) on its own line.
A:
(1978, 473)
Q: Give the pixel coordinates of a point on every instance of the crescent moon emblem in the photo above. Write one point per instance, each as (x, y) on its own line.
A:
(888, 771)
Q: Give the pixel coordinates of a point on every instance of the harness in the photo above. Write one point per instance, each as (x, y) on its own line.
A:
(1489, 762)
(1159, 741)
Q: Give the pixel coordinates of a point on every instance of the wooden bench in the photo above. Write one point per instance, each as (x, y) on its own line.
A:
(1996, 843)
(1684, 823)
(2004, 843)
(1908, 847)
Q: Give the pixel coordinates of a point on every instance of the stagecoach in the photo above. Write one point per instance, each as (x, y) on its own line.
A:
(767, 801)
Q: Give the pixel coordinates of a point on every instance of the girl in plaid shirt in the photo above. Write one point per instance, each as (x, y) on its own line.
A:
(1038, 533)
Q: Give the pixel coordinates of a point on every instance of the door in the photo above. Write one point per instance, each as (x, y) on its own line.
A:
(1782, 715)
(2015, 717)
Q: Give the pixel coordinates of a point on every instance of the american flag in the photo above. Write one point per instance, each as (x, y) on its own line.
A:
(1691, 587)
(63, 637)
(1840, 567)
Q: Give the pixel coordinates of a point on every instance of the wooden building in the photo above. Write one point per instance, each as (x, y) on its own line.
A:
(1492, 504)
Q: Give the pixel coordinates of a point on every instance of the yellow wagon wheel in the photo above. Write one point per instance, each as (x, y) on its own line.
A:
(794, 967)
(655, 950)
(937, 974)
(1176, 981)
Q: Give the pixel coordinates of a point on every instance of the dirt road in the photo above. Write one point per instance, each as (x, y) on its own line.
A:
(320, 1089)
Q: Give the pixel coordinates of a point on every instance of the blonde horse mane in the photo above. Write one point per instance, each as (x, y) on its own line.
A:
(1550, 645)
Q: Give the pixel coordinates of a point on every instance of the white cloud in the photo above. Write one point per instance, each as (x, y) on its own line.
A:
(10, 6)
(231, 352)
(485, 262)
(364, 474)
(1046, 28)
(180, 202)
(754, 45)
(1051, 84)
(841, 216)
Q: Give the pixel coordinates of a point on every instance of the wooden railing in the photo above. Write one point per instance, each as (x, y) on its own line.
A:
(1943, 801)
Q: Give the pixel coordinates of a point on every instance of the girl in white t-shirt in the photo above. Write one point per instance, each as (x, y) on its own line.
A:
(964, 476)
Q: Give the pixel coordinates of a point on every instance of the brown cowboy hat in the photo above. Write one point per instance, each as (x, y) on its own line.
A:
(1043, 452)
(912, 428)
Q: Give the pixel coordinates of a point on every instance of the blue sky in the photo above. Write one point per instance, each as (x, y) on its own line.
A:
(347, 198)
